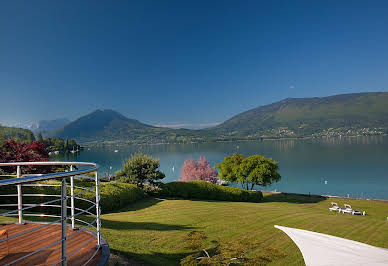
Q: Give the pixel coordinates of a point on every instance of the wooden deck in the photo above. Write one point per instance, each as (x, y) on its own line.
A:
(29, 242)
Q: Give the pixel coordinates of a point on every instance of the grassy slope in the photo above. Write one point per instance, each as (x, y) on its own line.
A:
(154, 230)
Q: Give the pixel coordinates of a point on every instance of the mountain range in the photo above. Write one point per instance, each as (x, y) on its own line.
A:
(346, 114)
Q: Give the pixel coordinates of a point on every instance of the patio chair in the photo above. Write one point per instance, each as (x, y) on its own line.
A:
(334, 207)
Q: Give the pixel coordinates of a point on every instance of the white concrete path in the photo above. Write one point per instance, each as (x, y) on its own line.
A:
(326, 250)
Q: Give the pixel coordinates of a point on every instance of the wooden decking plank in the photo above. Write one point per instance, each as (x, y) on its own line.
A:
(31, 238)
(35, 240)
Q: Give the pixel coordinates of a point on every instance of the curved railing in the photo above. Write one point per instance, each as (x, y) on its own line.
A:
(77, 214)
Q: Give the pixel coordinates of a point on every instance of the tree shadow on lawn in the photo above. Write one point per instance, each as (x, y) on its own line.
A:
(138, 205)
(292, 198)
(155, 258)
(268, 197)
(119, 225)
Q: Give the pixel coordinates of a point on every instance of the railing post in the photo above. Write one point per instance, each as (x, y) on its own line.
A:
(63, 220)
(98, 208)
(72, 199)
(20, 196)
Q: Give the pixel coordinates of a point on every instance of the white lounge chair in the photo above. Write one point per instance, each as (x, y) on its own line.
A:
(347, 209)
(356, 212)
(334, 207)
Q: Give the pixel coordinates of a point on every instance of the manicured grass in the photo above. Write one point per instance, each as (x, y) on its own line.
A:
(156, 231)
(159, 231)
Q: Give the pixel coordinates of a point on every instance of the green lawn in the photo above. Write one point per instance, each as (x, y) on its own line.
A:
(156, 231)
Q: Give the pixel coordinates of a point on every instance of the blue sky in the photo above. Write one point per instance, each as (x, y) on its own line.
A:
(184, 62)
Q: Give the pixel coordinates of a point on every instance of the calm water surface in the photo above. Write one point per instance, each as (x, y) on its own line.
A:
(357, 166)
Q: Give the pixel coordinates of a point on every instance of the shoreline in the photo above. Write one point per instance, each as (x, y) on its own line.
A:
(114, 143)
(322, 196)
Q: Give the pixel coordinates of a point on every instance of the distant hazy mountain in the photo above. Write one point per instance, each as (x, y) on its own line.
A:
(109, 125)
(305, 116)
(45, 126)
(100, 123)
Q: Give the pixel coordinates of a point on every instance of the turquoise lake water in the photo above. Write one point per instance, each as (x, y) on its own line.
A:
(356, 166)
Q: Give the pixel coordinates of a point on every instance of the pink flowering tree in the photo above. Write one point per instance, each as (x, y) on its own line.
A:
(200, 170)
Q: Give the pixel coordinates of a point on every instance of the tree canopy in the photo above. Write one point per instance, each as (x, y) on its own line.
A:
(250, 171)
(57, 144)
(40, 137)
(17, 134)
(201, 170)
(12, 151)
(139, 169)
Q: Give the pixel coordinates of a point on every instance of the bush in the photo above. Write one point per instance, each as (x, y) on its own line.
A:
(113, 195)
(140, 169)
(153, 190)
(206, 190)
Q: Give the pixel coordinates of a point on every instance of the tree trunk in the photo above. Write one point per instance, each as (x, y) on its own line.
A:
(252, 186)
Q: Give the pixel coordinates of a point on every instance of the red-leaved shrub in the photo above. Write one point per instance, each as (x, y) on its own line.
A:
(12, 151)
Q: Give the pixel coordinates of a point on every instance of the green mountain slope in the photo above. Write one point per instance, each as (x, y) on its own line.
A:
(347, 114)
(100, 123)
(305, 116)
(109, 125)
(19, 134)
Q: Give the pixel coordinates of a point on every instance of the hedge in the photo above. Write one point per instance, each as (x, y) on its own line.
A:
(113, 195)
(206, 190)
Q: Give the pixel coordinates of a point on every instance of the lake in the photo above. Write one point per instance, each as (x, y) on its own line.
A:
(351, 166)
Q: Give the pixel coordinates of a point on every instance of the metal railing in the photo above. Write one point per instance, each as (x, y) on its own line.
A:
(27, 209)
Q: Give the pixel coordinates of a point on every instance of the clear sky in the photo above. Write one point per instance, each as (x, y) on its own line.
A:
(184, 62)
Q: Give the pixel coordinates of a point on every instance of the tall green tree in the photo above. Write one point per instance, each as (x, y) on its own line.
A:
(261, 171)
(66, 145)
(30, 138)
(40, 138)
(73, 144)
(250, 171)
(58, 144)
(229, 169)
(140, 169)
